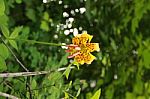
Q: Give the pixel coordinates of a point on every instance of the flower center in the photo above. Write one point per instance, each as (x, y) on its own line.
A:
(84, 49)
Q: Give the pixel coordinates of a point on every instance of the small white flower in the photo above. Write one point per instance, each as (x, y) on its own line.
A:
(44, 1)
(60, 2)
(56, 36)
(76, 10)
(66, 32)
(65, 14)
(72, 12)
(71, 30)
(80, 28)
(75, 31)
(82, 10)
(115, 76)
(69, 25)
(71, 19)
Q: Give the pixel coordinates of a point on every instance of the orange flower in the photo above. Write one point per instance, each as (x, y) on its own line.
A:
(81, 48)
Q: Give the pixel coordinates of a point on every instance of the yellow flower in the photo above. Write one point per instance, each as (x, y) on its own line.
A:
(81, 48)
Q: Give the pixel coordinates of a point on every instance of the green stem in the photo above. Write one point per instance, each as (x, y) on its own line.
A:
(38, 42)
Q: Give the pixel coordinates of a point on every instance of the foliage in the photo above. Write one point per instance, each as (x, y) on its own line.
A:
(121, 69)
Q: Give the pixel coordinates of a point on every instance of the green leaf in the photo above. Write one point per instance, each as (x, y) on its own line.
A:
(63, 60)
(147, 87)
(31, 14)
(134, 25)
(3, 20)
(141, 97)
(3, 66)
(2, 7)
(110, 90)
(88, 95)
(44, 26)
(66, 95)
(138, 87)
(67, 71)
(146, 56)
(46, 16)
(5, 31)
(54, 77)
(130, 95)
(4, 53)
(13, 44)
(78, 93)
(113, 44)
(76, 64)
(70, 84)
(33, 84)
(104, 61)
(19, 1)
(16, 32)
(97, 94)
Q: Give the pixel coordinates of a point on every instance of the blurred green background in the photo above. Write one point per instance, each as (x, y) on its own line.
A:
(121, 27)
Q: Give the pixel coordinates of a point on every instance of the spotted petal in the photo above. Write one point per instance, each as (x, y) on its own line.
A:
(76, 41)
(92, 47)
(85, 35)
(84, 58)
(89, 58)
(82, 38)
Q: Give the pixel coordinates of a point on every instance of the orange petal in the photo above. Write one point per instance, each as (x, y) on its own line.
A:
(75, 41)
(92, 47)
(82, 38)
(85, 35)
(84, 58)
(89, 58)
(79, 58)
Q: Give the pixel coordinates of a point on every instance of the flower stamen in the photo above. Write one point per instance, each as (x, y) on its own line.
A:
(73, 55)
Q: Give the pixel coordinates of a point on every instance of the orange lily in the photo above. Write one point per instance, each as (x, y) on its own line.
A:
(81, 48)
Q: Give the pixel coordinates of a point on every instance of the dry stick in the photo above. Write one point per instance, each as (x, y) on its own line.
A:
(8, 95)
(2, 75)
(15, 56)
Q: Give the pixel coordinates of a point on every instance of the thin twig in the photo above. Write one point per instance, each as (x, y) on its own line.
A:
(23, 74)
(15, 56)
(8, 95)
(29, 73)
(6, 83)
(28, 83)
(64, 68)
